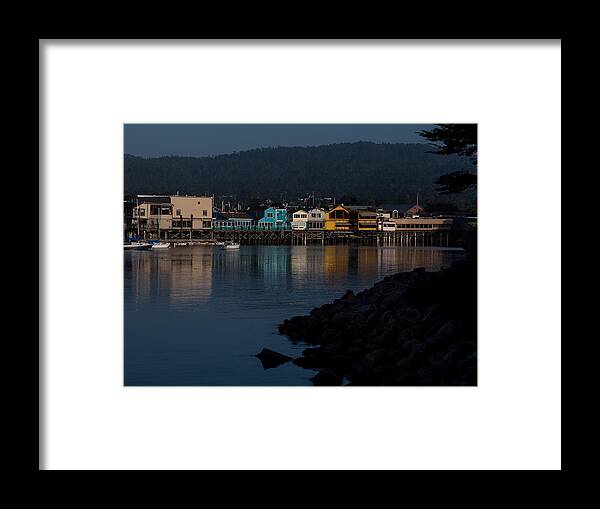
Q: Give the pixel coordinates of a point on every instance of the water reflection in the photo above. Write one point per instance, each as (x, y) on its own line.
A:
(185, 277)
(197, 315)
(174, 277)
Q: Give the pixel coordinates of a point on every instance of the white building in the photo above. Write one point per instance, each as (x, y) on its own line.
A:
(299, 220)
(386, 226)
(316, 219)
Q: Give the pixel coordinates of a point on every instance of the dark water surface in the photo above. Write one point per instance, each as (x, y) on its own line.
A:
(198, 315)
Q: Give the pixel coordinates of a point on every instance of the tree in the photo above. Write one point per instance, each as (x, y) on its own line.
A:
(456, 182)
(458, 139)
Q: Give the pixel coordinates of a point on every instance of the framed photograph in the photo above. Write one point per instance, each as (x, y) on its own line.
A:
(298, 254)
(330, 245)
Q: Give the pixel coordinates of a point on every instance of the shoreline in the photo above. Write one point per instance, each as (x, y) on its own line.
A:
(414, 328)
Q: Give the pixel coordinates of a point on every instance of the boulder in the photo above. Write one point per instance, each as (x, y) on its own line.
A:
(271, 359)
(419, 347)
(348, 296)
(411, 314)
(430, 312)
(363, 309)
(448, 329)
(403, 363)
(377, 357)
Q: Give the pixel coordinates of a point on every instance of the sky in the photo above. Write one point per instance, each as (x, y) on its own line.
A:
(154, 140)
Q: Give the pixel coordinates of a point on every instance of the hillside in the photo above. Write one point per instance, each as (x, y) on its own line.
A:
(370, 171)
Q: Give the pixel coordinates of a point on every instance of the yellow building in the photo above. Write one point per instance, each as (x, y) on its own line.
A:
(351, 218)
(338, 219)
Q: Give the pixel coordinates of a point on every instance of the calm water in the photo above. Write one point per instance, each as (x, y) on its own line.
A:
(198, 315)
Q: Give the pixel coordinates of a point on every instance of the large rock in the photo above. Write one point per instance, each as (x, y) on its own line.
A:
(411, 314)
(271, 359)
(364, 309)
(348, 296)
(449, 329)
(377, 357)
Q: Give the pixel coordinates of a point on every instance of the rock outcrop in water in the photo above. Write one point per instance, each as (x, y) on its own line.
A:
(271, 359)
(412, 328)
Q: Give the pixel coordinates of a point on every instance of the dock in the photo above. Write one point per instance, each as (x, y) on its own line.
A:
(312, 237)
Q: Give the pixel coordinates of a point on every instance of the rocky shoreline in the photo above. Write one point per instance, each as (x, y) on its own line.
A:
(414, 328)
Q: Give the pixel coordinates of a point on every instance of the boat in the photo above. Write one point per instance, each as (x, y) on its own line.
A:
(161, 245)
(231, 245)
(138, 245)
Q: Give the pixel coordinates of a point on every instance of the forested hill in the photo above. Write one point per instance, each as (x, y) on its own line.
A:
(388, 172)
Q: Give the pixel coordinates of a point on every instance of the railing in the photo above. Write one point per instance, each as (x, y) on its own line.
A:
(253, 227)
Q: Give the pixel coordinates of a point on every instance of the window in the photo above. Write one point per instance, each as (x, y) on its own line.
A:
(142, 212)
(178, 212)
(204, 212)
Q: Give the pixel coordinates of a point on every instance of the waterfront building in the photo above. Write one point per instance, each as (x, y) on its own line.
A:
(316, 219)
(193, 212)
(300, 220)
(274, 218)
(338, 219)
(236, 220)
(386, 225)
(416, 210)
(151, 212)
(363, 218)
(158, 215)
(422, 224)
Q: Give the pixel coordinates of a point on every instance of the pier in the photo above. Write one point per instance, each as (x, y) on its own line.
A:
(312, 237)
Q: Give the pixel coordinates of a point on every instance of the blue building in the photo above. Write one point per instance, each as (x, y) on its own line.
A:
(274, 218)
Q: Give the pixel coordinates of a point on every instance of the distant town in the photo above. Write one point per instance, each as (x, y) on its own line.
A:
(203, 218)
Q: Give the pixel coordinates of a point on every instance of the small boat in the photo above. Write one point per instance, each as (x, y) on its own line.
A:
(231, 245)
(161, 245)
(138, 245)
